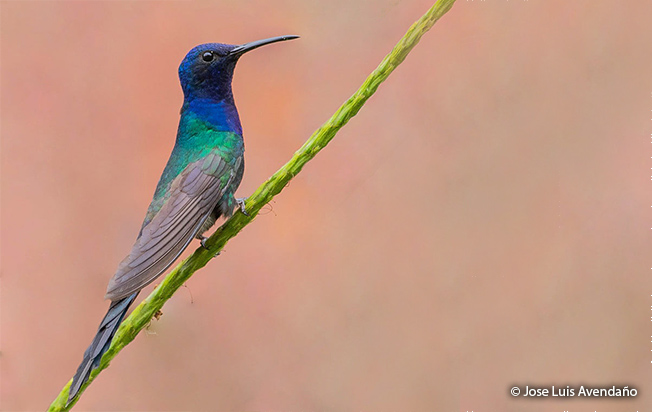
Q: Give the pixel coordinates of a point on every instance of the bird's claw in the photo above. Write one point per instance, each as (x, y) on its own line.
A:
(202, 240)
(241, 202)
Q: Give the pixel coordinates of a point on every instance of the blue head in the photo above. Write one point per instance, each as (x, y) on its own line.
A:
(207, 70)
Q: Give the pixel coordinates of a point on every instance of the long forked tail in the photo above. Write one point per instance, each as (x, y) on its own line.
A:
(101, 342)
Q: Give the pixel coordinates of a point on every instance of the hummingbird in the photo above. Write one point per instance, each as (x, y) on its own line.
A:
(196, 188)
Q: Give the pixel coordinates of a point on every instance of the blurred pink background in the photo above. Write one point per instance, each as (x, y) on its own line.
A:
(484, 221)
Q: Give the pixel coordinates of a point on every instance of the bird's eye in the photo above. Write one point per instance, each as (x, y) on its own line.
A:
(207, 57)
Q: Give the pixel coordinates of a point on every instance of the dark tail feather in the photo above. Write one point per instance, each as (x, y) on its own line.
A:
(101, 342)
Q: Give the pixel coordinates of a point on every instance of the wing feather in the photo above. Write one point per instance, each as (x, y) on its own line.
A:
(193, 195)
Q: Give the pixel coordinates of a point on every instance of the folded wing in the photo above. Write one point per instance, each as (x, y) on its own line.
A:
(193, 195)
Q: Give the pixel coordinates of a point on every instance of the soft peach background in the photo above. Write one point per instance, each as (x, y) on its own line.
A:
(483, 222)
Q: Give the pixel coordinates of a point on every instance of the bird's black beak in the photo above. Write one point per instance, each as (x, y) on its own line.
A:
(240, 50)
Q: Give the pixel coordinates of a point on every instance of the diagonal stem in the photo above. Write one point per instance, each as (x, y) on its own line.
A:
(144, 312)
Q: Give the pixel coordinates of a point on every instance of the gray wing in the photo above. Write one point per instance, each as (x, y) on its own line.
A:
(193, 195)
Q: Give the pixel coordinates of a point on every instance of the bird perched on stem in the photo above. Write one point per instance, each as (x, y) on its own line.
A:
(196, 188)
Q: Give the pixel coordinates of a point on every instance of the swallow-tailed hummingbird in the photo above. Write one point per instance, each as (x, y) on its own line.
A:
(196, 188)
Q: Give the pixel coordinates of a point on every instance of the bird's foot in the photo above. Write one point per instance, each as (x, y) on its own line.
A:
(241, 202)
(202, 240)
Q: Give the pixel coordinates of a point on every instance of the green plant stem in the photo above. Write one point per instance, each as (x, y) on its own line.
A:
(144, 312)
